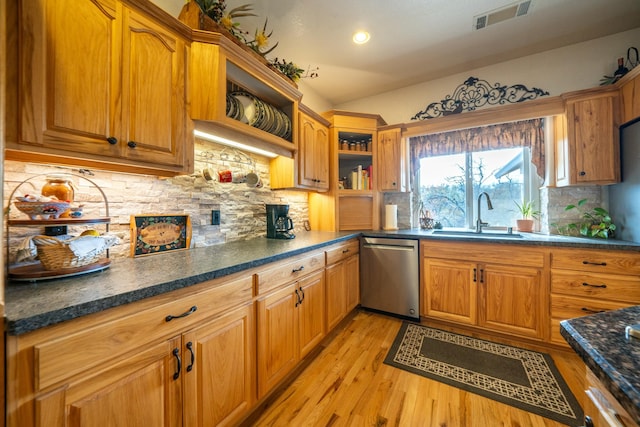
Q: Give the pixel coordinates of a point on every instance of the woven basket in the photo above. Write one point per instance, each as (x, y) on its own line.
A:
(55, 254)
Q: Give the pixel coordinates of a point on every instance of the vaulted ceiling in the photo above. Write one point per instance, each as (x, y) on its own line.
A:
(419, 40)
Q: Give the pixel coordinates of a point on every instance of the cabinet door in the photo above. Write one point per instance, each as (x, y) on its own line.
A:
(336, 294)
(140, 390)
(313, 157)
(391, 163)
(153, 92)
(70, 71)
(593, 134)
(277, 338)
(219, 387)
(352, 277)
(450, 290)
(562, 159)
(511, 299)
(311, 312)
(631, 99)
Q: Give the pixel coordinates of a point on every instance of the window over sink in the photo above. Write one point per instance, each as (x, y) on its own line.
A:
(451, 169)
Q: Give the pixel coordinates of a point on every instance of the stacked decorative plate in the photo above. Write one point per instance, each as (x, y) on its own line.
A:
(249, 109)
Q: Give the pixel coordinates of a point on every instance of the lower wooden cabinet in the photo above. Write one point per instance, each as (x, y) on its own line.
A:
(219, 389)
(510, 300)
(130, 366)
(290, 324)
(588, 281)
(343, 281)
(496, 287)
(139, 390)
(449, 290)
(601, 409)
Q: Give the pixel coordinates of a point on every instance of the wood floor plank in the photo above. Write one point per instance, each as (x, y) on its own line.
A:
(349, 385)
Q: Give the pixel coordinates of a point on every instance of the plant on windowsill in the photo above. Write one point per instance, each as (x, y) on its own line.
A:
(595, 223)
(529, 214)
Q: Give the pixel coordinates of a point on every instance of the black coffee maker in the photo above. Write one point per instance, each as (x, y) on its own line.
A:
(279, 225)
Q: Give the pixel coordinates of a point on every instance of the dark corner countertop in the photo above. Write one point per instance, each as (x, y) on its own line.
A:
(530, 239)
(614, 358)
(34, 305)
(30, 306)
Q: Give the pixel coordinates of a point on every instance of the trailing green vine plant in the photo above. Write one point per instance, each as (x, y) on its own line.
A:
(595, 222)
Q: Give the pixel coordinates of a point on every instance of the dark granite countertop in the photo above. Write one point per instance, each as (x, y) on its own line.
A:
(531, 239)
(30, 306)
(614, 358)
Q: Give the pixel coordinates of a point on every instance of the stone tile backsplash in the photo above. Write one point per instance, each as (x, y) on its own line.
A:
(242, 208)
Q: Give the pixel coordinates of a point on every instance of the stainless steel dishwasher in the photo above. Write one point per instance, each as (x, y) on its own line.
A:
(389, 275)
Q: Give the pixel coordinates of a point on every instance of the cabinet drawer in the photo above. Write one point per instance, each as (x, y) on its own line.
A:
(569, 307)
(340, 252)
(282, 273)
(610, 262)
(87, 346)
(590, 285)
(485, 253)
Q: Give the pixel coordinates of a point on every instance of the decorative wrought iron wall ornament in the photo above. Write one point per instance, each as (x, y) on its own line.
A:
(475, 93)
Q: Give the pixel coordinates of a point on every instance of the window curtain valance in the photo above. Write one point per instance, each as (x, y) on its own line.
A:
(528, 133)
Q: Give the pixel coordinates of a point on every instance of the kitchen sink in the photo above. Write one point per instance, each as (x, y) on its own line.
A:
(471, 233)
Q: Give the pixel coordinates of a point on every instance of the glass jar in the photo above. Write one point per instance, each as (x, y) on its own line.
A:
(58, 186)
(352, 146)
(344, 145)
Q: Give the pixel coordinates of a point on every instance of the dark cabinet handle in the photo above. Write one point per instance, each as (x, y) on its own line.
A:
(176, 354)
(590, 310)
(112, 140)
(344, 251)
(193, 356)
(594, 286)
(603, 264)
(474, 275)
(132, 144)
(169, 318)
(393, 184)
(301, 292)
(582, 173)
(296, 270)
(588, 422)
(481, 275)
(298, 300)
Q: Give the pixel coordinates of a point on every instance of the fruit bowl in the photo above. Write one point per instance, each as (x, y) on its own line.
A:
(44, 210)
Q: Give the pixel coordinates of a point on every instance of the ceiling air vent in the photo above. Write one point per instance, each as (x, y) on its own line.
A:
(504, 13)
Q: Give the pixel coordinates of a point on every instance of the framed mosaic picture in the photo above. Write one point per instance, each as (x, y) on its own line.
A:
(151, 234)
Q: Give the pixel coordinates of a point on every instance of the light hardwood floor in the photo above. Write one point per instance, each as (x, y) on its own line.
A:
(348, 385)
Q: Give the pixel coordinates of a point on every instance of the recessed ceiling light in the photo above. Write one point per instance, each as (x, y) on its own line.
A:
(361, 37)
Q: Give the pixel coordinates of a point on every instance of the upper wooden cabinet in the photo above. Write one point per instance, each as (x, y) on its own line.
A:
(103, 85)
(391, 163)
(309, 169)
(351, 203)
(630, 91)
(313, 153)
(587, 139)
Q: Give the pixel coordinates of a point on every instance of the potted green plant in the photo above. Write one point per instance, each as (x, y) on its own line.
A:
(595, 222)
(529, 214)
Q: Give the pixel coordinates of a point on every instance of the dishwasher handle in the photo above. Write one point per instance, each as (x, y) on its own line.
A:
(388, 247)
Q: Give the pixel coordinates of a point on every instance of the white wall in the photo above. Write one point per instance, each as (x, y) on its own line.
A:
(575, 67)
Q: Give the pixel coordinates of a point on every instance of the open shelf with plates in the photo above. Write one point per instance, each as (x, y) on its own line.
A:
(221, 71)
(33, 269)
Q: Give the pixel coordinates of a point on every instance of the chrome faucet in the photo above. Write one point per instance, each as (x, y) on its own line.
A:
(479, 223)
